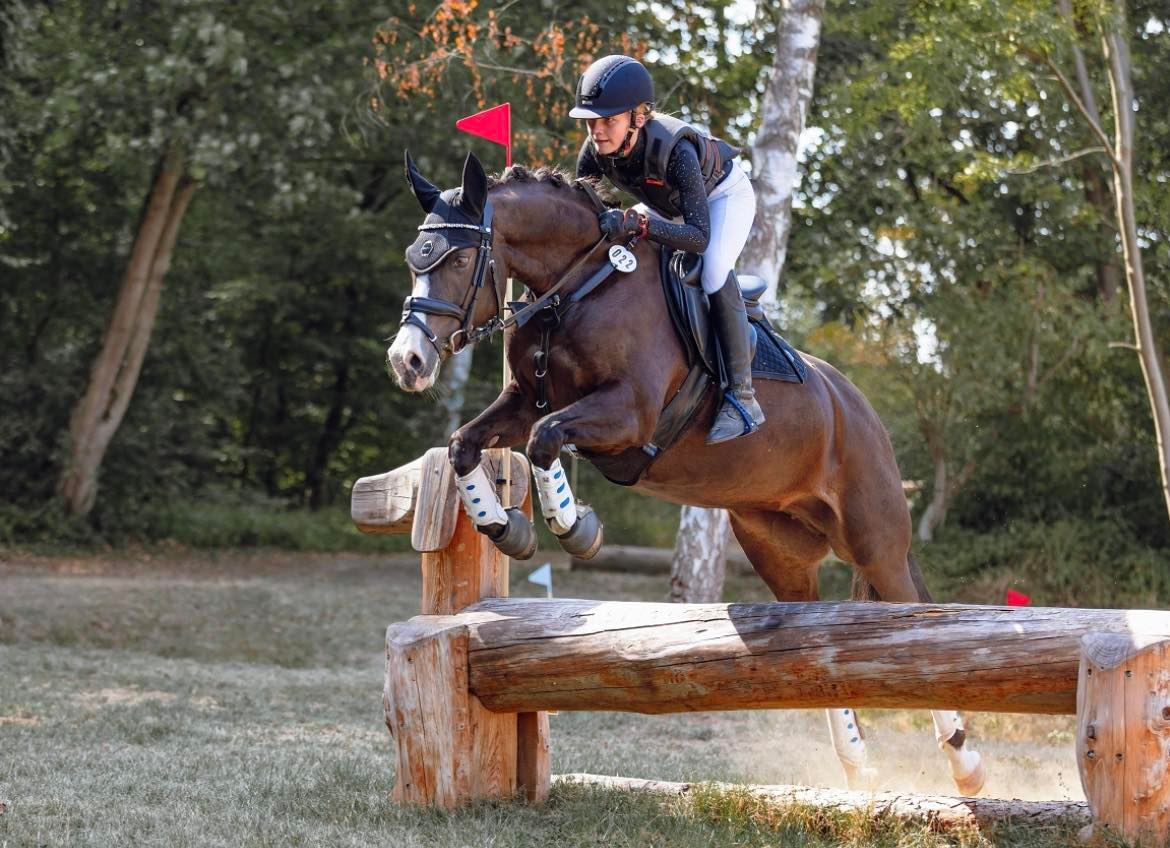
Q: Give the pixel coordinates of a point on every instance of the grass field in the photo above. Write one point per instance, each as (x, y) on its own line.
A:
(193, 700)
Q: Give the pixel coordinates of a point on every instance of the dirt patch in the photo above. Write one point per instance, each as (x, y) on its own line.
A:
(19, 721)
(123, 697)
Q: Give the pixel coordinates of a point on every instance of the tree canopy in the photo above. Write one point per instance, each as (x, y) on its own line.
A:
(953, 249)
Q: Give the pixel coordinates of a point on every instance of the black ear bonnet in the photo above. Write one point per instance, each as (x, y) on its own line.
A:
(433, 246)
(460, 211)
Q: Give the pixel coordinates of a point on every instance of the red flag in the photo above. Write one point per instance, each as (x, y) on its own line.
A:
(494, 124)
(1016, 599)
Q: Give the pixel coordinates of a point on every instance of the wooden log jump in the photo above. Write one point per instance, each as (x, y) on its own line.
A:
(537, 654)
(469, 682)
(494, 755)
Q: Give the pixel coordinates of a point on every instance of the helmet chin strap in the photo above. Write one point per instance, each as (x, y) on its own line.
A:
(631, 131)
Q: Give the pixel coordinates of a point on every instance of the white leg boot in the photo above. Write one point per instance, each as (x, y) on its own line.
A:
(966, 765)
(850, 747)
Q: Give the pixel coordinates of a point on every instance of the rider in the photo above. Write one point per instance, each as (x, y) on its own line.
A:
(694, 197)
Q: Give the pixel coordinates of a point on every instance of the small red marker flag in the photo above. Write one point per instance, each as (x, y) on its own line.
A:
(494, 124)
(1016, 599)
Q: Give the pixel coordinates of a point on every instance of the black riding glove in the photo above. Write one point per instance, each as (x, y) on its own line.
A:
(616, 224)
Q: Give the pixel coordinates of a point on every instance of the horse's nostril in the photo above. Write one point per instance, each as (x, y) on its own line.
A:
(415, 363)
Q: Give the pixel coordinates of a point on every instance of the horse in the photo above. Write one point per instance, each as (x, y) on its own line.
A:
(819, 476)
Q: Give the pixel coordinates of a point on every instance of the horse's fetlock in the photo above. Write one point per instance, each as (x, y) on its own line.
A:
(463, 455)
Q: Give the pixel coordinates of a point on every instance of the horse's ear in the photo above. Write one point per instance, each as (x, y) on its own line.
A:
(474, 188)
(426, 193)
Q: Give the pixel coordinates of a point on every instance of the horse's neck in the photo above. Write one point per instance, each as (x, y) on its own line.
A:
(545, 235)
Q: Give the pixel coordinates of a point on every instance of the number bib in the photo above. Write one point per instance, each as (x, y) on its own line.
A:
(622, 259)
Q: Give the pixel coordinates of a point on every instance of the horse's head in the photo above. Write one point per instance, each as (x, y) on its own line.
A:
(454, 286)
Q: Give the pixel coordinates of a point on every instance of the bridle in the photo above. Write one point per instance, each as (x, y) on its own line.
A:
(464, 312)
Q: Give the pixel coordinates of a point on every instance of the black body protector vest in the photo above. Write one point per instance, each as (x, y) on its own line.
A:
(662, 134)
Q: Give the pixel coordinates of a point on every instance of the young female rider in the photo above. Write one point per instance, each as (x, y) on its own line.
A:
(693, 198)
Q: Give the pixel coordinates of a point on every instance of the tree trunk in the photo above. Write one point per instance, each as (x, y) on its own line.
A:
(785, 104)
(942, 495)
(700, 556)
(1116, 49)
(455, 389)
(99, 413)
(332, 432)
(936, 511)
(1096, 190)
(701, 546)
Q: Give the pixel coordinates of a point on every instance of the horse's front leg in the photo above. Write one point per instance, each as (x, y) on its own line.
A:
(504, 423)
(606, 419)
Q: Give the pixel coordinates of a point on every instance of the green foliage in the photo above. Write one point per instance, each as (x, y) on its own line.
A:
(940, 223)
(936, 258)
(1070, 562)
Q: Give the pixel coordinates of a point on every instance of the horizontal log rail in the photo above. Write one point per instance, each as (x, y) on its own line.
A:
(527, 655)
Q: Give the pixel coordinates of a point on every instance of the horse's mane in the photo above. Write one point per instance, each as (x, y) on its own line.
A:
(554, 177)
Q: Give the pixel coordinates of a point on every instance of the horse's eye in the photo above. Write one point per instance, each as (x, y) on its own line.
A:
(461, 261)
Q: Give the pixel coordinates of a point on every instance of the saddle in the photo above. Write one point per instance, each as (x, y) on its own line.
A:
(772, 359)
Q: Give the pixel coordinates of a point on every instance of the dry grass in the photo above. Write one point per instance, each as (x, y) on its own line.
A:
(235, 700)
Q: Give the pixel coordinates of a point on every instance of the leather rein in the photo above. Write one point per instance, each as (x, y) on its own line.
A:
(464, 312)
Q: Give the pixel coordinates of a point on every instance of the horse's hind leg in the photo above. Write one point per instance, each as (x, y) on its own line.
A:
(787, 554)
(886, 570)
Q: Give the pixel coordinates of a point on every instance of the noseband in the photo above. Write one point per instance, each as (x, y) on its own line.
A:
(466, 334)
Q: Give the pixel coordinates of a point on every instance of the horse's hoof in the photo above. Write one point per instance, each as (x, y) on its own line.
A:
(517, 538)
(584, 538)
(973, 776)
(860, 778)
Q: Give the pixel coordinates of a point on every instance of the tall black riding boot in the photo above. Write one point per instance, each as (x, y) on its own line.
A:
(740, 413)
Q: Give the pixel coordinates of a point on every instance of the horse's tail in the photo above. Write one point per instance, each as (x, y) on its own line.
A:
(863, 591)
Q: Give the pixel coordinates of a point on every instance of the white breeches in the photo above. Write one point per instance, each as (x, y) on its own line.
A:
(732, 208)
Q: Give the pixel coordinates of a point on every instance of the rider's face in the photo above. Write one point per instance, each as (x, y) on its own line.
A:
(608, 134)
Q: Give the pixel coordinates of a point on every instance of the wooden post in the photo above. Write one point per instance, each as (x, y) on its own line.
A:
(1123, 735)
(451, 749)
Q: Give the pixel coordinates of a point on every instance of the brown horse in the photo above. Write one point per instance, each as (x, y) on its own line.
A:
(819, 476)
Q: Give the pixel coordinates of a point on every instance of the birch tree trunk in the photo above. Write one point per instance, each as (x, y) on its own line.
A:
(1096, 188)
(782, 116)
(700, 556)
(1116, 49)
(696, 574)
(114, 374)
(458, 370)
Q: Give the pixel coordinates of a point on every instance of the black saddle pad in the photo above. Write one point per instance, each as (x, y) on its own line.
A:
(775, 358)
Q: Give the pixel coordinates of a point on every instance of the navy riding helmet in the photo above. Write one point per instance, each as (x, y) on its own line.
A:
(612, 85)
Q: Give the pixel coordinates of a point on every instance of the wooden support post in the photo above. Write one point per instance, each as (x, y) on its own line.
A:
(1123, 735)
(533, 767)
(451, 749)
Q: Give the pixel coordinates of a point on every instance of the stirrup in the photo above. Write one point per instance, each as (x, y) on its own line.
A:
(749, 422)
